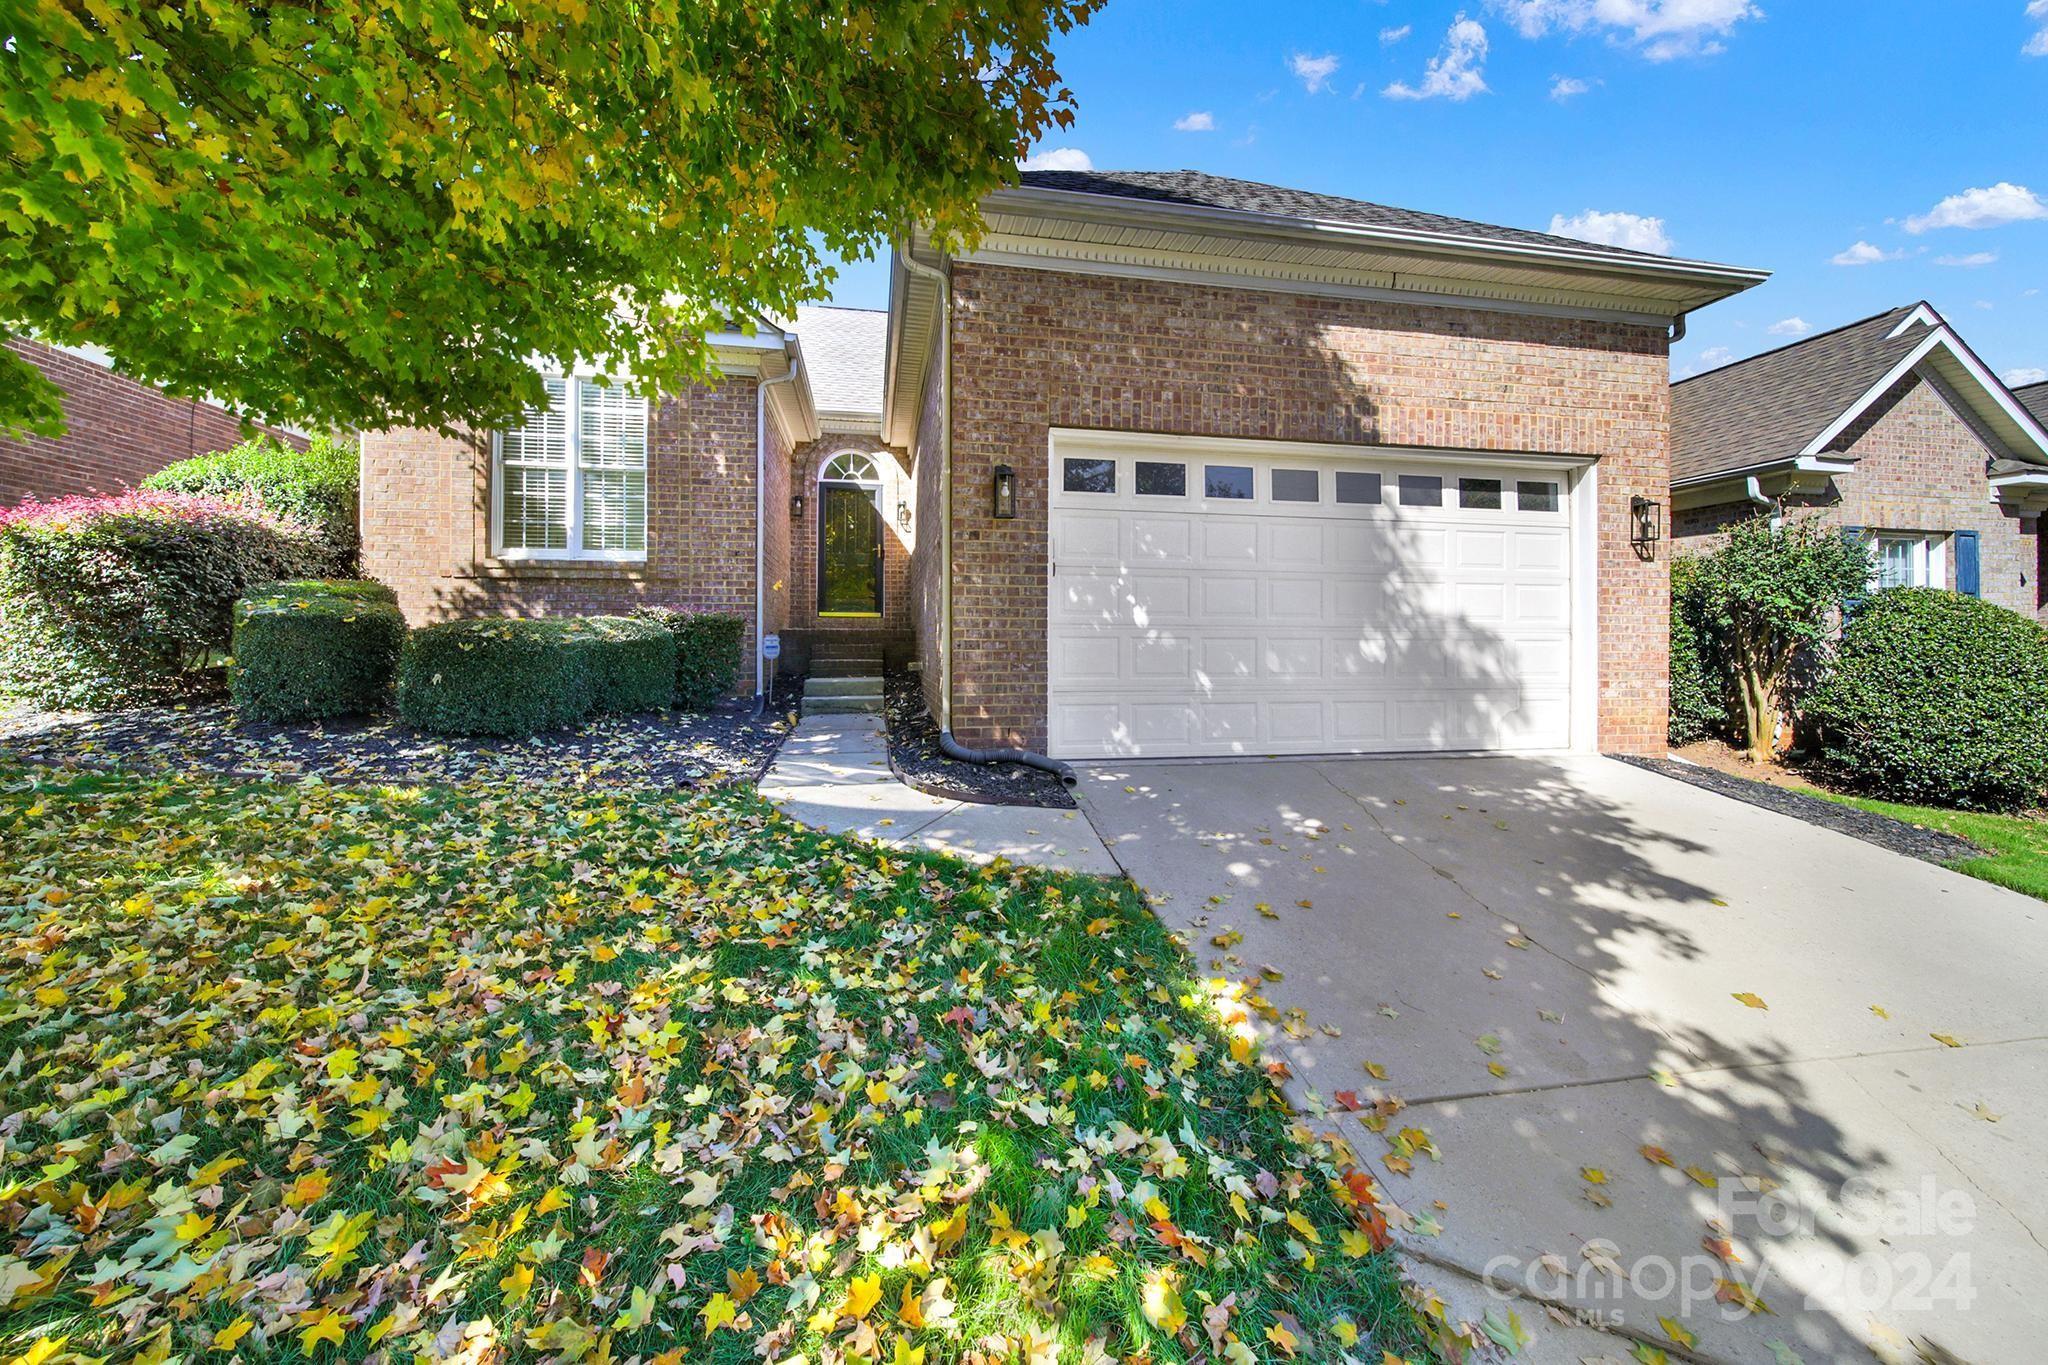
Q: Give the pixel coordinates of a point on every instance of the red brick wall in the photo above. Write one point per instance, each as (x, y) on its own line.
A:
(1034, 350)
(896, 542)
(1921, 466)
(426, 523)
(120, 431)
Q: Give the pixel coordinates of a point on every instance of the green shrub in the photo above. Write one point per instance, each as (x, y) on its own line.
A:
(631, 664)
(506, 676)
(317, 485)
(123, 600)
(493, 676)
(1699, 685)
(1936, 698)
(710, 647)
(355, 589)
(302, 655)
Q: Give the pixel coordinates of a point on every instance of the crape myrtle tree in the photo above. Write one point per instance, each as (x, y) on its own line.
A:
(369, 213)
(1770, 594)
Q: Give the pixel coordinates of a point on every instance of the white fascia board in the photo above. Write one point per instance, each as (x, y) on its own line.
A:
(1941, 338)
(1240, 222)
(1229, 273)
(1069, 439)
(842, 421)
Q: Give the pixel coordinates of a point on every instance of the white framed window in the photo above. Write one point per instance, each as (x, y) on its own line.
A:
(570, 482)
(1908, 561)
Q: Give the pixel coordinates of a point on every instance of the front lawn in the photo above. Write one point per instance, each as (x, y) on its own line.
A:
(2018, 844)
(553, 1071)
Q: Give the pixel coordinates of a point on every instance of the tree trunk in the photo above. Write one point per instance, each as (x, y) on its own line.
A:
(1759, 671)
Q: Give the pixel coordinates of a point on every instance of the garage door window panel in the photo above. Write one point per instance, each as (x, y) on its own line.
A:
(1297, 485)
(1479, 495)
(1090, 476)
(1227, 481)
(1536, 495)
(1158, 479)
(1422, 490)
(1358, 488)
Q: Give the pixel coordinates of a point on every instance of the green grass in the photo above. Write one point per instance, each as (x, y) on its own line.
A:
(2017, 845)
(302, 1070)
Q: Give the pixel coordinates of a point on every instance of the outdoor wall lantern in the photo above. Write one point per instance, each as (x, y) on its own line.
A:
(903, 514)
(1646, 525)
(1006, 493)
(796, 506)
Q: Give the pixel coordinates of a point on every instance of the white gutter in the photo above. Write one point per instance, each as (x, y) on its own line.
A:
(796, 365)
(944, 379)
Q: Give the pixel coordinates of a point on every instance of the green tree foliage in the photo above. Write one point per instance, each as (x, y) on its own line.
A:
(365, 214)
(1935, 698)
(1769, 595)
(317, 485)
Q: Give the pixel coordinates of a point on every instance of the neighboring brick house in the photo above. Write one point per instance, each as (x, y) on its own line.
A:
(118, 431)
(1166, 464)
(1890, 428)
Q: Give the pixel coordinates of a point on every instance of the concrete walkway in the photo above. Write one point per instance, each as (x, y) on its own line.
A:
(833, 774)
(1645, 1043)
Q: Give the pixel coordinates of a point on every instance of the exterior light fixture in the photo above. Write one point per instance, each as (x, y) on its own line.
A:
(903, 514)
(1005, 493)
(1646, 525)
(796, 506)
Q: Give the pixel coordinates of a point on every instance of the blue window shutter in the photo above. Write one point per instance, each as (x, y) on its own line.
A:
(1969, 579)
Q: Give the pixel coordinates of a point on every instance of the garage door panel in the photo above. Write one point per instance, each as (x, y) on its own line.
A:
(1251, 627)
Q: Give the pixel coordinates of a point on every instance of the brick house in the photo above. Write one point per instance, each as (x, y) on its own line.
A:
(1166, 464)
(1890, 428)
(119, 431)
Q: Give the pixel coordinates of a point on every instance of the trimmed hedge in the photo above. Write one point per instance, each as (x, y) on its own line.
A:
(310, 649)
(1699, 680)
(631, 663)
(508, 676)
(125, 600)
(1936, 698)
(710, 647)
(317, 485)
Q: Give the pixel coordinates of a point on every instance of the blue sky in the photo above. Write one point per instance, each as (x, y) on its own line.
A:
(1797, 136)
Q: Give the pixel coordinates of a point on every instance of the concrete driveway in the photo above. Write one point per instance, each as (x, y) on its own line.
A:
(1545, 958)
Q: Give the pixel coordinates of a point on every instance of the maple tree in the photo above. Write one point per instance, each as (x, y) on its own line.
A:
(553, 1070)
(363, 213)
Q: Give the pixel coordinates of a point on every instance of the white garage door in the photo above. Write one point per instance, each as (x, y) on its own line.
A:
(1244, 600)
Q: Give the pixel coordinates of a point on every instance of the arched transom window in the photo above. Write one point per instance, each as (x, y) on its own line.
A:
(850, 466)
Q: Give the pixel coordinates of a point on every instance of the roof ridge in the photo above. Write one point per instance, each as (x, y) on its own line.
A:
(1808, 341)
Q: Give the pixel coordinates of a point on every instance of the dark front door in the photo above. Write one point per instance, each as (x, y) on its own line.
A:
(849, 551)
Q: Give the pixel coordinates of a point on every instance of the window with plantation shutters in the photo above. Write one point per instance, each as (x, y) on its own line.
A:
(571, 480)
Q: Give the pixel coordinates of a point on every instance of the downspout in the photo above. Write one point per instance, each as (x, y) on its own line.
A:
(761, 386)
(1753, 491)
(949, 746)
(1677, 329)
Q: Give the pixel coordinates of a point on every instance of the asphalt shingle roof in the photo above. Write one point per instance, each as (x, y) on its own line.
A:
(1199, 189)
(2034, 398)
(844, 352)
(1770, 406)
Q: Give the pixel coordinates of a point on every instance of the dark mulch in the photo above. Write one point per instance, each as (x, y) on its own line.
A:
(918, 762)
(655, 749)
(1928, 845)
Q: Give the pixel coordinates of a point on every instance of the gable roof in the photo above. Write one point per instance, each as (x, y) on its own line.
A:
(2034, 398)
(1198, 189)
(1793, 402)
(843, 350)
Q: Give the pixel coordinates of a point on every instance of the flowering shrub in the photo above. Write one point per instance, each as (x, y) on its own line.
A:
(111, 601)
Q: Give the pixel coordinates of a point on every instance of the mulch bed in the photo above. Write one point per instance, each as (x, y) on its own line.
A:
(918, 762)
(1928, 845)
(655, 749)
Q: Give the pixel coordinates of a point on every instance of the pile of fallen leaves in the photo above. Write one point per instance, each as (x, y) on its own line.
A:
(548, 1071)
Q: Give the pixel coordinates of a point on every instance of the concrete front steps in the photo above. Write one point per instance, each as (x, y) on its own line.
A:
(843, 695)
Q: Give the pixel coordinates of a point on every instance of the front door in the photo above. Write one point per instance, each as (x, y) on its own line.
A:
(849, 551)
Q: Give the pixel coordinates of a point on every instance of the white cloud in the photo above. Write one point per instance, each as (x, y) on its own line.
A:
(1863, 253)
(1790, 327)
(1974, 260)
(1659, 29)
(1713, 358)
(1059, 159)
(1313, 72)
(1390, 36)
(2037, 46)
(1201, 121)
(1454, 73)
(1614, 229)
(2002, 203)
(1563, 88)
(2025, 374)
